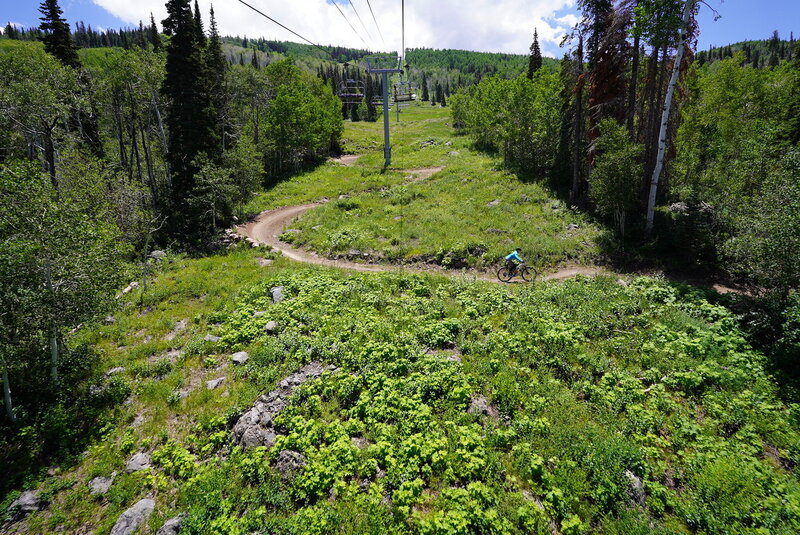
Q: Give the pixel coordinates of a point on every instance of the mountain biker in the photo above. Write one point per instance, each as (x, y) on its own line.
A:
(513, 260)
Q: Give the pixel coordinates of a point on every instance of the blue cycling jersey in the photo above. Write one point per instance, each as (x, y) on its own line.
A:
(514, 256)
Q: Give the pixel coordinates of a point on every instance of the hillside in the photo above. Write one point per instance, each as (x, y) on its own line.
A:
(621, 405)
(559, 303)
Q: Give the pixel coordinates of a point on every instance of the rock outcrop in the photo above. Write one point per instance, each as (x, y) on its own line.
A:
(254, 427)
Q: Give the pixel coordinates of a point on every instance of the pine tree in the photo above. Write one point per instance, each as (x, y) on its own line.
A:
(198, 25)
(425, 94)
(189, 117)
(535, 60)
(216, 66)
(254, 60)
(439, 94)
(153, 34)
(57, 38)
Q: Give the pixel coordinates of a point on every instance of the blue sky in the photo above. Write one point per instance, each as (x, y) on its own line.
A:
(440, 24)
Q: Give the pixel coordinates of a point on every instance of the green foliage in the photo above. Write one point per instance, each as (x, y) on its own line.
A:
(613, 184)
(518, 118)
(767, 241)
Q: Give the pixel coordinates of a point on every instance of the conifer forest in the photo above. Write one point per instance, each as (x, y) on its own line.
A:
(262, 286)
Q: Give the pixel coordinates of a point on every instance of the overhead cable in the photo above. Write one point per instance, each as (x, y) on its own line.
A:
(284, 27)
(376, 23)
(348, 23)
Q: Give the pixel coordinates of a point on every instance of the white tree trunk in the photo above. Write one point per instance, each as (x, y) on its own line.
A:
(54, 355)
(7, 397)
(662, 136)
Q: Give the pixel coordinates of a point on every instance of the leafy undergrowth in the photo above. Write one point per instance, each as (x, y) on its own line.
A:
(463, 407)
(471, 214)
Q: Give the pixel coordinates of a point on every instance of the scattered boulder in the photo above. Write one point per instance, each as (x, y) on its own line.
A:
(289, 463)
(556, 206)
(180, 326)
(264, 262)
(114, 371)
(140, 461)
(158, 255)
(100, 485)
(132, 286)
(211, 338)
(453, 153)
(109, 320)
(27, 503)
(277, 294)
(240, 358)
(496, 231)
(479, 405)
(172, 526)
(635, 489)
(130, 520)
(254, 427)
(679, 208)
(573, 226)
(270, 327)
(215, 383)
(493, 203)
(622, 282)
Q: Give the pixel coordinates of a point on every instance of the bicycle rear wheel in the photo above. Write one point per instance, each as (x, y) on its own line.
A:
(504, 274)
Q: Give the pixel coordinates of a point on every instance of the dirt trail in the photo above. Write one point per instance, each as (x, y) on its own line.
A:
(269, 225)
(347, 159)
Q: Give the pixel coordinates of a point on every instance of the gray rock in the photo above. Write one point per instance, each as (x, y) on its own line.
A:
(277, 294)
(555, 206)
(453, 153)
(679, 208)
(27, 503)
(573, 226)
(132, 286)
(479, 405)
(240, 358)
(289, 463)
(114, 371)
(172, 526)
(264, 262)
(211, 338)
(259, 313)
(493, 203)
(140, 461)
(180, 326)
(635, 489)
(158, 254)
(255, 426)
(109, 320)
(130, 520)
(270, 327)
(100, 485)
(215, 383)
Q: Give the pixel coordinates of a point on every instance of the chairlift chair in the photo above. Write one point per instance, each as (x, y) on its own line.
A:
(351, 92)
(404, 92)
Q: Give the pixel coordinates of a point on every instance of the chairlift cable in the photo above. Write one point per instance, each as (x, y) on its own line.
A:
(376, 23)
(286, 28)
(359, 20)
(349, 24)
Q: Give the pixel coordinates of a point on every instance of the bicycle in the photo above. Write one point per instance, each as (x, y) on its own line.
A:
(527, 273)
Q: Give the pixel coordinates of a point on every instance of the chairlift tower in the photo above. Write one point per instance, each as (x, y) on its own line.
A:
(384, 64)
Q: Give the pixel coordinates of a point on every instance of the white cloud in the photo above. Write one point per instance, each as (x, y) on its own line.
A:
(483, 25)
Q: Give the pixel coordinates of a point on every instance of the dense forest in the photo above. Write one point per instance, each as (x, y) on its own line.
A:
(400, 402)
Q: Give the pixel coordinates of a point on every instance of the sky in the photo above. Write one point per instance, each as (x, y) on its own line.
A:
(483, 25)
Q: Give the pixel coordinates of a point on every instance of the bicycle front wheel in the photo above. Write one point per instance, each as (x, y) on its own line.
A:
(504, 274)
(527, 273)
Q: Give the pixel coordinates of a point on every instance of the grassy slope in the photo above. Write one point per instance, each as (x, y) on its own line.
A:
(590, 379)
(445, 219)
